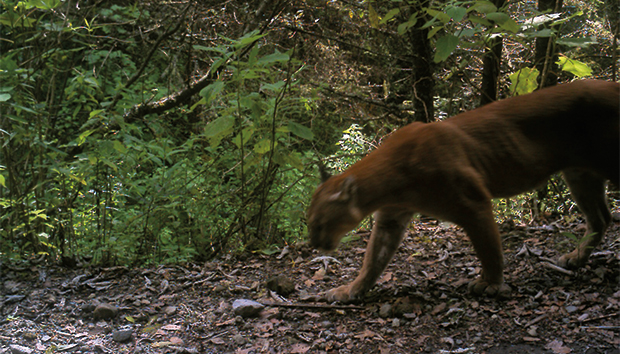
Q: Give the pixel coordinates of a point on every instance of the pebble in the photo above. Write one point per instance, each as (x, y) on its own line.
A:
(247, 308)
(385, 310)
(105, 312)
(239, 339)
(170, 310)
(122, 335)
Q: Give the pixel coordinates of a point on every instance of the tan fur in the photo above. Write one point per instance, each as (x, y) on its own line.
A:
(452, 169)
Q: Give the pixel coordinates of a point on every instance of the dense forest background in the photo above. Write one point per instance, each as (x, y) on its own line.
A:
(147, 132)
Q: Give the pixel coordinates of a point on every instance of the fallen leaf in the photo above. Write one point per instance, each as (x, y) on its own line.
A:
(387, 276)
(299, 348)
(558, 347)
(319, 274)
(217, 340)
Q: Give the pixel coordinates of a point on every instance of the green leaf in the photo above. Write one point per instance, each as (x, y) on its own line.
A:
(294, 160)
(249, 38)
(390, 15)
(5, 97)
(209, 92)
(273, 58)
(301, 131)
(405, 26)
(118, 146)
(457, 13)
(523, 81)
(441, 16)
(577, 42)
(2, 181)
(498, 17)
(218, 129)
(479, 20)
(263, 146)
(504, 21)
(511, 26)
(483, 7)
(246, 133)
(574, 67)
(273, 87)
(445, 46)
(373, 16)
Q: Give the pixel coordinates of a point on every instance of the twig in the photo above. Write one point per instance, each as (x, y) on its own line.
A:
(312, 306)
(599, 327)
(536, 320)
(556, 268)
(587, 320)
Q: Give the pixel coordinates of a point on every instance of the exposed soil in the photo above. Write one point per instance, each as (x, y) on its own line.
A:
(420, 305)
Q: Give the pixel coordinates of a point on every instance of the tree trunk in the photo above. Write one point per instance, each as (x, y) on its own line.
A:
(422, 73)
(491, 65)
(546, 51)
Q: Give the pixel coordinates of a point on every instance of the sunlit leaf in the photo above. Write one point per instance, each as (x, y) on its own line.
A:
(263, 146)
(373, 16)
(523, 81)
(574, 67)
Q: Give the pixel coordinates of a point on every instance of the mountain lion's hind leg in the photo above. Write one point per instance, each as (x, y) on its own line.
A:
(387, 234)
(588, 191)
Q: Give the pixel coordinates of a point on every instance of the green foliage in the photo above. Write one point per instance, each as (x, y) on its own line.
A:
(523, 81)
(79, 180)
(574, 67)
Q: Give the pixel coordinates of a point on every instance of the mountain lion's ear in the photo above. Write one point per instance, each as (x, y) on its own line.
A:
(348, 189)
(324, 174)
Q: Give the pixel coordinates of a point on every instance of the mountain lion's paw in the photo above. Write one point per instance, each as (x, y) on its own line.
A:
(570, 261)
(483, 287)
(340, 294)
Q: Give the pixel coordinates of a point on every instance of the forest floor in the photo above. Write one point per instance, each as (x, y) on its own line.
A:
(420, 304)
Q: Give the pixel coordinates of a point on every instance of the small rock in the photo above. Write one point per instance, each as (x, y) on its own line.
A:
(281, 285)
(176, 341)
(19, 349)
(122, 335)
(239, 339)
(247, 308)
(170, 310)
(571, 308)
(105, 312)
(385, 310)
(396, 323)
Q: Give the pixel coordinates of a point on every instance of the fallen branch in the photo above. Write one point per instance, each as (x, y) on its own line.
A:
(311, 306)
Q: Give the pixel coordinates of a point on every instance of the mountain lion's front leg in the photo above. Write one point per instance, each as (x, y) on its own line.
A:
(387, 234)
(480, 226)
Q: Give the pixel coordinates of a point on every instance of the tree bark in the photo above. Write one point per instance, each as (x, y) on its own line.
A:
(546, 51)
(491, 65)
(422, 81)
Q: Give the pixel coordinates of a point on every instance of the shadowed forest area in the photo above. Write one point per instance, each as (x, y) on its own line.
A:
(157, 160)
